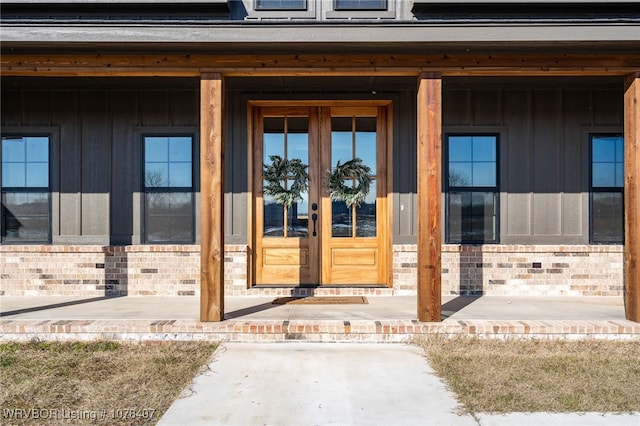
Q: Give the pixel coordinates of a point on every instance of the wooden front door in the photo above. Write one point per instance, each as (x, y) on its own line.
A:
(318, 240)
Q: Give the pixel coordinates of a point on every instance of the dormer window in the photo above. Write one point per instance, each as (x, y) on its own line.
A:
(281, 4)
(360, 5)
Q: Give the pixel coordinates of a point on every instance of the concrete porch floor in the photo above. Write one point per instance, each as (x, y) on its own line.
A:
(248, 318)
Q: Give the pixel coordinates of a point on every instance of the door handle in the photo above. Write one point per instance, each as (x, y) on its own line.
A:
(314, 217)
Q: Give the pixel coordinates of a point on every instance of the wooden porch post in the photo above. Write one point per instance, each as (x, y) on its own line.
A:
(429, 167)
(632, 198)
(212, 196)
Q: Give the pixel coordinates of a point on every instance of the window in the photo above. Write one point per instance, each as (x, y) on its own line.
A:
(26, 199)
(471, 179)
(607, 186)
(281, 5)
(168, 189)
(360, 5)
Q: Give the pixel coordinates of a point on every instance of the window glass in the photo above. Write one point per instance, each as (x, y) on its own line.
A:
(472, 217)
(472, 161)
(484, 148)
(156, 149)
(168, 162)
(25, 217)
(168, 181)
(484, 174)
(168, 217)
(607, 217)
(14, 175)
(360, 4)
(25, 162)
(13, 150)
(607, 182)
(37, 149)
(26, 201)
(607, 168)
(281, 5)
(472, 196)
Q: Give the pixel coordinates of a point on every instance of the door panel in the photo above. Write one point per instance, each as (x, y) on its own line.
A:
(285, 254)
(354, 247)
(343, 245)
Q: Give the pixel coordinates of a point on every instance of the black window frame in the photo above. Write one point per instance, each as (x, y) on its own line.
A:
(26, 190)
(351, 5)
(604, 189)
(471, 189)
(168, 189)
(260, 6)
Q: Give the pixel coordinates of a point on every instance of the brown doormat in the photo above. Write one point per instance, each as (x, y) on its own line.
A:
(321, 300)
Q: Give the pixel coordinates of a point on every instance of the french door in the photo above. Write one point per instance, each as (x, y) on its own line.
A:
(301, 233)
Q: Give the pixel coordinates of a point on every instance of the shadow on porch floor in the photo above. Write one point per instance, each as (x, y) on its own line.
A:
(261, 308)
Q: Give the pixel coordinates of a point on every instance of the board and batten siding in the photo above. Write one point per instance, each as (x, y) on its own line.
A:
(544, 148)
(100, 156)
(543, 153)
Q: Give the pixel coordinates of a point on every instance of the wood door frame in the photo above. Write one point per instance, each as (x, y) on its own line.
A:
(254, 163)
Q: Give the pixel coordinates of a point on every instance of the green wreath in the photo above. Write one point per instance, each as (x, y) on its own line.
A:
(275, 174)
(351, 195)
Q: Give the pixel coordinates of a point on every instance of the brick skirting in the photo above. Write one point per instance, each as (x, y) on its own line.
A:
(519, 270)
(87, 270)
(174, 270)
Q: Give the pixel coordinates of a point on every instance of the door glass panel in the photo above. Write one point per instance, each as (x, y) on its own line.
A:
(273, 218)
(297, 143)
(366, 214)
(287, 138)
(299, 218)
(273, 138)
(341, 140)
(341, 222)
(366, 141)
(355, 137)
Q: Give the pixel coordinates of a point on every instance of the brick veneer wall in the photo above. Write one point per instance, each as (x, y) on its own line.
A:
(519, 270)
(87, 270)
(174, 270)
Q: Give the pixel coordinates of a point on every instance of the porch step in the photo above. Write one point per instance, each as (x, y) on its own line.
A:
(369, 331)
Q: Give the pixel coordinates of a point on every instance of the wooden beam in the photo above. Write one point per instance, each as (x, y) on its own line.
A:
(632, 198)
(429, 167)
(212, 196)
(22, 64)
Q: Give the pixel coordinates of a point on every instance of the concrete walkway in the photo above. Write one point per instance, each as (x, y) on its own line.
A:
(317, 384)
(301, 384)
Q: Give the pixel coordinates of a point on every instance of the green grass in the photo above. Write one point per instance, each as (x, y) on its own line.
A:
(498, 376)
(101, 382)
